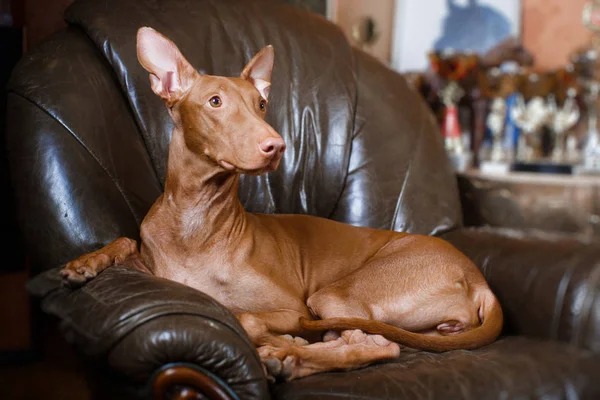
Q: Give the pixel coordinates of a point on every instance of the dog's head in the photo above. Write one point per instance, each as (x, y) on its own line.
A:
(221, 118)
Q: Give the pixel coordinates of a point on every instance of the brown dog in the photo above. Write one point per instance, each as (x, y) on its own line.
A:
(286, 277)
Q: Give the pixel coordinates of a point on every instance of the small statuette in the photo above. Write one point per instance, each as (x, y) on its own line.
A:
(511, 129)
(495, 121)
(451, 95)
(498, 161)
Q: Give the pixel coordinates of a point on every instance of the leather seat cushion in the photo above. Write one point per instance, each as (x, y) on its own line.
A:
(510, 368)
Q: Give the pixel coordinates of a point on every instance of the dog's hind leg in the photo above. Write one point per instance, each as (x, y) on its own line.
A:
(353, 349)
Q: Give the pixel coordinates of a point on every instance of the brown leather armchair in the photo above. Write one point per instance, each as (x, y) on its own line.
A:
(87, 144)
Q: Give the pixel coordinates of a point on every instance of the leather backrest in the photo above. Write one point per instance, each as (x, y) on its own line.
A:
(363, 147)
(398, 176)
(312, 99)
(326, 97)
(80, 170)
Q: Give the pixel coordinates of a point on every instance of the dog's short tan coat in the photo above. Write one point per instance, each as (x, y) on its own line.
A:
(288, 278)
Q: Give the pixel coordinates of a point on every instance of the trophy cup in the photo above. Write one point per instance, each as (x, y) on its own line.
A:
(586, 68)
(495, 121)
(497, 86)
(453, 67)
(561, 120)
(512, 131)
(530, 117)
(592, 146)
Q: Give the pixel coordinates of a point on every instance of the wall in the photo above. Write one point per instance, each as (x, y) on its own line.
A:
(347, 13)
(552, 30)
(42, 18)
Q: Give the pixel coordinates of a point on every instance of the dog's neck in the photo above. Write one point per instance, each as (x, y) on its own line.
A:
(204, 195)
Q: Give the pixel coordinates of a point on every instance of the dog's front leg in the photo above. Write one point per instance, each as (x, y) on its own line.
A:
(277, 331)
(79, 271)
(276, 328)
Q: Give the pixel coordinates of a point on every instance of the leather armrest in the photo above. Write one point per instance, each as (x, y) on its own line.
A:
(548, 285)
(137, 323)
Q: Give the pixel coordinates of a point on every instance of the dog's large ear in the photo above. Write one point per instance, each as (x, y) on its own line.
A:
(258, 70)
(171, 75)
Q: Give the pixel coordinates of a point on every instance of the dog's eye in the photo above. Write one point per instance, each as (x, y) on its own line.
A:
(215, 101)
(262, 104)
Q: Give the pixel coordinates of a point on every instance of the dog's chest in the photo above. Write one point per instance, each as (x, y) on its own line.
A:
(246, 275)
(239, 287)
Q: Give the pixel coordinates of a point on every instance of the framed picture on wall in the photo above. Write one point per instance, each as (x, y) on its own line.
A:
(461, 25)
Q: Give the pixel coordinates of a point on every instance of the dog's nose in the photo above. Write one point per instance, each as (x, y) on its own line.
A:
(272, 146)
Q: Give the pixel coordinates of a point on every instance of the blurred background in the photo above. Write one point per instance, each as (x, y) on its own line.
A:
(513, 84)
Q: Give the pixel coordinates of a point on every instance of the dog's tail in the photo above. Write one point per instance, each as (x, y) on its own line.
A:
(476, 337)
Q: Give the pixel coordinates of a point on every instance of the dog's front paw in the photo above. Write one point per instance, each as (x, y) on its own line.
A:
(77, 272)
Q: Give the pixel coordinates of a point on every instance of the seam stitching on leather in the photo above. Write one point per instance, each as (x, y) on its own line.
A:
(559, 304)
(352, 134)
(582, 321)
(400, 197)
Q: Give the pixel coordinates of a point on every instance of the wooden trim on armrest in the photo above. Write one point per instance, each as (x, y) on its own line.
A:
(184, 383)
